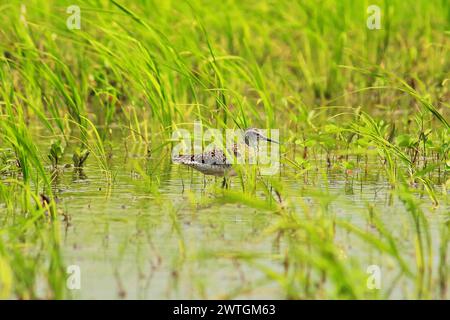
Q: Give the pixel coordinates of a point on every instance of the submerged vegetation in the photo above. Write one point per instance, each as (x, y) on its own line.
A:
(86, 123)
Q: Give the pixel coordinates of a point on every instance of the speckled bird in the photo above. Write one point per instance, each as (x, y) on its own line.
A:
(214, 162)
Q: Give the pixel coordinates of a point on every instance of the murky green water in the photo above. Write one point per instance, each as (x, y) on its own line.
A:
(134, 239)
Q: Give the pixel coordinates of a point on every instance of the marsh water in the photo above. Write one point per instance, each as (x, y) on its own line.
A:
(172, 237)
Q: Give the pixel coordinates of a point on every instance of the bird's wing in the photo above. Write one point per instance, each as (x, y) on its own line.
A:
(214, 157)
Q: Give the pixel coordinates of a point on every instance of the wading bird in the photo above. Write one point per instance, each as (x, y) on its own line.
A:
(215, 162)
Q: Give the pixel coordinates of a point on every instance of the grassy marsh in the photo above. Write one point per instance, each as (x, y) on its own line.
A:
(86, 120)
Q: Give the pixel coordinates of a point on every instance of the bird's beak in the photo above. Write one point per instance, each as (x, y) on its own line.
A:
(273, 141)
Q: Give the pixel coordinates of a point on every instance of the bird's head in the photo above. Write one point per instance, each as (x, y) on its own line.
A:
(252, 136)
